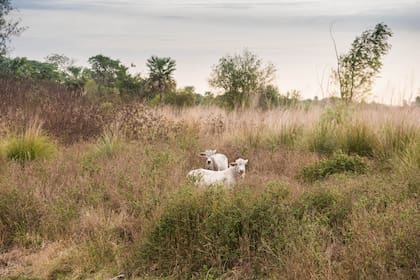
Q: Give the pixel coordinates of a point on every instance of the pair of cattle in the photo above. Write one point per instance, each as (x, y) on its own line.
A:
(217, 170)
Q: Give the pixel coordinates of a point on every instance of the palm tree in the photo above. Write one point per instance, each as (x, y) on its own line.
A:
(160, 73)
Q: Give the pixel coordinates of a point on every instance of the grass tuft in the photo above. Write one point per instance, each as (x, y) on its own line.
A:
(110, 142)
(30, 145)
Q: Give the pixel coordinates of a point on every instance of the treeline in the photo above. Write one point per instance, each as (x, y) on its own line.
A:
(108, 77)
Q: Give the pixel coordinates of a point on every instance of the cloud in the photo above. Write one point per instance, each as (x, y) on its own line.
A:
(79, 4)
(175, 17)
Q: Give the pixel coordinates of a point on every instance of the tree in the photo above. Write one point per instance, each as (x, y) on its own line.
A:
(106, 71)
(8, 28)
(112, 76)
(241, 77)
(160, 78)
(357, 69)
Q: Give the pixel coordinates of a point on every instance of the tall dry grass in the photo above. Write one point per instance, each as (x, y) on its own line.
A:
(119, 201)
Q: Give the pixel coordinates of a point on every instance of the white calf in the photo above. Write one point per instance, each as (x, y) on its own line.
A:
(216, 162)
(204, 177)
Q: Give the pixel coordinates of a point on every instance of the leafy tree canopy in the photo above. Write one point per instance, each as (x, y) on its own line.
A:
(241, 76)
(357, 69)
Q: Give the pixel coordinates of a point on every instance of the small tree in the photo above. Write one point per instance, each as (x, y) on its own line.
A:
(161, 71)
(8, 28)
(357, 69)
(241, 77)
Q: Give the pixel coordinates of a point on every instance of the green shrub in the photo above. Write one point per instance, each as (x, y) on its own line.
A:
(339, 163)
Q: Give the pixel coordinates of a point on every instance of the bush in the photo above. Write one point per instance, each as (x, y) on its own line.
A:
(339, 163)
(217, 229)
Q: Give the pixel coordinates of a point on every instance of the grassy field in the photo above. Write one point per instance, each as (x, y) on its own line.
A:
(91, 191)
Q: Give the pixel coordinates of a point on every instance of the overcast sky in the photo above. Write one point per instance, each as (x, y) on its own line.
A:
(294, 35)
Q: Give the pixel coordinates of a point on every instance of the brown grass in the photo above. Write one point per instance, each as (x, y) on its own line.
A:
(97, 202)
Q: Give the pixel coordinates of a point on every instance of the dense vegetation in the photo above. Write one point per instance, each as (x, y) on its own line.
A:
(93, 186)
